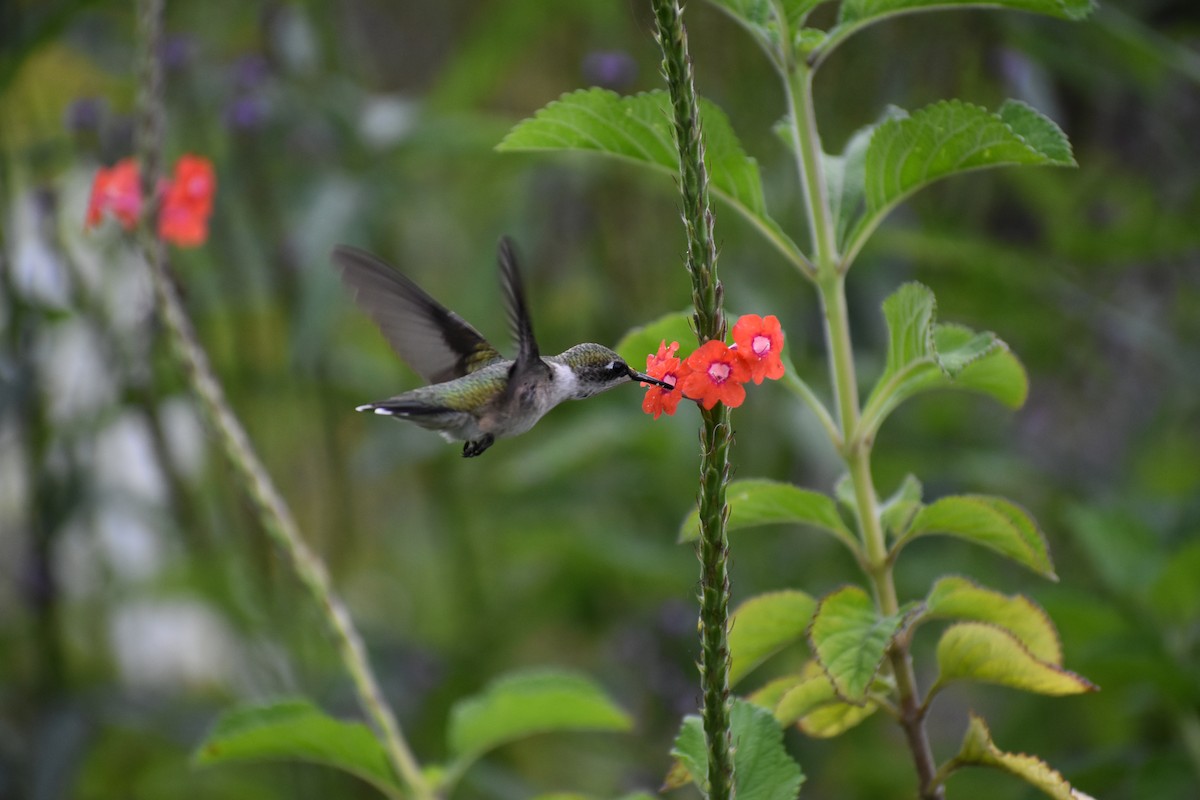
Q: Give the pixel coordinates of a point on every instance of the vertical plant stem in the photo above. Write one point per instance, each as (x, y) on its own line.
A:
(272, 511)
(856, 449)
(716, 436)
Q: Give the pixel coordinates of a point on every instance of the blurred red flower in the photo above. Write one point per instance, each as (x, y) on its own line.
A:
(186, 200)
(759, 343)
(116, 191)
(666, 367)
(187, 203)
(715, 373)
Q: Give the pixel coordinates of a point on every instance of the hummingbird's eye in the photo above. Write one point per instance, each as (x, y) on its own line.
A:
(616, 367)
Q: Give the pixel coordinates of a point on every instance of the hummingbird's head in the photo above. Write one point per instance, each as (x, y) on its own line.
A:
(595, 369)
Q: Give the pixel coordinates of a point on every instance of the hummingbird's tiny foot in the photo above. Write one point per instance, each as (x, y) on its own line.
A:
(474, 448)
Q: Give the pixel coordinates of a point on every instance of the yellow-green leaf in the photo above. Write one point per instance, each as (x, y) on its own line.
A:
(763, 625)
(958, 598)
(982, 652)
(850, 639)
(834, 719)
(979, 750)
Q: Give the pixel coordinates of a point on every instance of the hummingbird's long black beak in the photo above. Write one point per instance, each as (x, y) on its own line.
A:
(644, 378)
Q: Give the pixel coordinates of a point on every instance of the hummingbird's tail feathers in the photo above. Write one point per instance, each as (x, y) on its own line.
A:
(389, 408)
(430, 338)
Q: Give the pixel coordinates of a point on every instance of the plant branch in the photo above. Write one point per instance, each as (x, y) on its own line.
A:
(272, 511)
(716, 437)
(855, 446)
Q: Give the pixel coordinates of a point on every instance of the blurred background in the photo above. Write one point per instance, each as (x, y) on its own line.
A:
(138, 597)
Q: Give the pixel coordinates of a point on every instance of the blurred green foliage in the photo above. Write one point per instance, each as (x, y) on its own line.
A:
(138, 599)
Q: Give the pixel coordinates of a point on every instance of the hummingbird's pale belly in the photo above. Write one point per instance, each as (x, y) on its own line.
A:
(476, 406)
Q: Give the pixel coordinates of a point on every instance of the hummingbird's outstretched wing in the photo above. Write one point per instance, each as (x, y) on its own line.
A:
(529, 364)
(433, 340)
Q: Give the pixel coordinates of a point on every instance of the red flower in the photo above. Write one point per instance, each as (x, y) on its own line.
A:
(115, 190)
(666, 367)
(186, 200)
(759, 343)
(187, 204)
(715, 373)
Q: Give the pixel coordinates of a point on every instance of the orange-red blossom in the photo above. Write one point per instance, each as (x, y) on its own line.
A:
(716, 372)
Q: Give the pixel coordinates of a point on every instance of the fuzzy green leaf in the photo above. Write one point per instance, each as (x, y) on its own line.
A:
(638, 128)
(759, 18)
(897, 512)
(643, 341)
(978, 750)
(762, 768)
(923, 356)
(992, 522)
(296, 730)
(946, 138)
(845, 180)
(528, 703)
(863, 10)
(958, 598)
(981, 652)
(763, 625)
(850, 640)
(854, 15)
(763, 502)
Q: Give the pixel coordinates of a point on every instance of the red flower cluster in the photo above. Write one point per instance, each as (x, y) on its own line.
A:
(716, 372)
(186, 199)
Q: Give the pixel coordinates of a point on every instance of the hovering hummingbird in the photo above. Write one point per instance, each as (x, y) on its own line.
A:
(475, 394)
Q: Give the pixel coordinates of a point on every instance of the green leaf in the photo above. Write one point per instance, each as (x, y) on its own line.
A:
(759, 18)
(850, 640)
(762, 768)
(986, 653)
(958, 598)
(992, 522)
(638, 128)
(763, 625)
(946, 138)
(845, 180)
(923, 356)
(296, 730)
(897, 512)
(862, 10)
(763, 502)
(855, 15)
(978, 750)
(835, 719)
(643, 341)
(524, 704)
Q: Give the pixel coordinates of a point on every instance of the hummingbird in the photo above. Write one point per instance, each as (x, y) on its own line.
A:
(474, 394)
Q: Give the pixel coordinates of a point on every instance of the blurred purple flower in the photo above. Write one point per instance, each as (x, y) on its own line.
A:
(612, 69)
(246, 113)
(178, 50)
(84, 115)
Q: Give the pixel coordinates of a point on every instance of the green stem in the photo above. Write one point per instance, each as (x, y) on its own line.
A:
(716, 437)
(855, 447)
(806, 142)
(273, 512)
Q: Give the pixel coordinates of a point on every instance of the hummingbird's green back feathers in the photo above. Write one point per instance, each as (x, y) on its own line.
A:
(433, 340)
